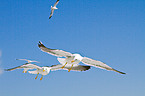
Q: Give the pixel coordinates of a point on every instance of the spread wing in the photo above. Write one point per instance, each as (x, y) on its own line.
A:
(27, 65)
(52, 11)
(99, 64)
(55, 52)
(29, 61)
(74, 68)
(56, 3)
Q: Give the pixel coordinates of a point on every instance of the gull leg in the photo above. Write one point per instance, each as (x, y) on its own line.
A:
(70, 68)
(64, 65)
(36, 76)
(41, 77)
(23, 71)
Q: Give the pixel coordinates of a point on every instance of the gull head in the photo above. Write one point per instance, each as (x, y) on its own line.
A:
(46, 69)
(77, 57)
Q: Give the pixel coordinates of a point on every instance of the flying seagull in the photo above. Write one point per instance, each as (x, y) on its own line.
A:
(53, 8)
(27, 66)
(46, 69)
(74, 59)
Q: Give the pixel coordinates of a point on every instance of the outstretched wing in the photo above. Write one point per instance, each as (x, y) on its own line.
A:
(56, 3)
(55, 52)
(74, 68)
(27, 65)
(52, 11)
(99, 64)
(29, 61)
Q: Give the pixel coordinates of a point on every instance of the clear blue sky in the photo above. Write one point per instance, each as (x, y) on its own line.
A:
(112, 31)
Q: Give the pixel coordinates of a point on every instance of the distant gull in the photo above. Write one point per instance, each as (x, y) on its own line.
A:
(53, 8)
(74, 59)
(46, 69)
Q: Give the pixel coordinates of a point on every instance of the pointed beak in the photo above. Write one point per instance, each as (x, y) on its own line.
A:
(72, 61)
(43, 70)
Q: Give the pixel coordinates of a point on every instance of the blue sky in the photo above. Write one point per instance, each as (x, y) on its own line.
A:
(112, 31)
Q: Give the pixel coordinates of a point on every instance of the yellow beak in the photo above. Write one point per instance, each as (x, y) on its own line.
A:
(43, 70)
(72, 61)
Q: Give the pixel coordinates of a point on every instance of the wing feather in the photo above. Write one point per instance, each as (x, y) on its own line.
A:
(29, 61)
(27, 65)
(74, 68)
(56, 3)
(99, 64)
(55, 52)
(52, 11)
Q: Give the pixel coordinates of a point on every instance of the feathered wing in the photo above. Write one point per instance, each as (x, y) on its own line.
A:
(27, 65)
(99, 64)
(52, 11)
(56, 3)
(55, 52)
(18, 67)
(74, 68)
(29, 61)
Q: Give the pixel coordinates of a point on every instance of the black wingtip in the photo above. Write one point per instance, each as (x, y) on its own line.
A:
(6, 70)
(50, 17)
(88, 67)
(40, 44)
(118, 71)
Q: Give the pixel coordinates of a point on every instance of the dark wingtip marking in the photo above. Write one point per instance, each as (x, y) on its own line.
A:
(87, 68)
(40, 44)
(118, 71)
(7, 70)
(49, 17)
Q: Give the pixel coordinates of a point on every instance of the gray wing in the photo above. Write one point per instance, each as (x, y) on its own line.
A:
(55, 52)
(74, 68)
(29, 61)
(27, 65)
(52, 11)
(99, 64)
(56, 3)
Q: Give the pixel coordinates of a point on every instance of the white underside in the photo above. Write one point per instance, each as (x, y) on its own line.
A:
(68, 60)
(53, 8)
(39, 71)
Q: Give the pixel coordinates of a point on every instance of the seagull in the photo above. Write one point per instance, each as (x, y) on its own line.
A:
(74, 59)
(27, 66)
(46, 69)
(53, 8)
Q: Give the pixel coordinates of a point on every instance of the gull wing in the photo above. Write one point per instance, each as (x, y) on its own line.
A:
(29, 61)
(56, 3)
(27, 65)
(52, 11)
(55, 52)
(99, 64)
(74, 68)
